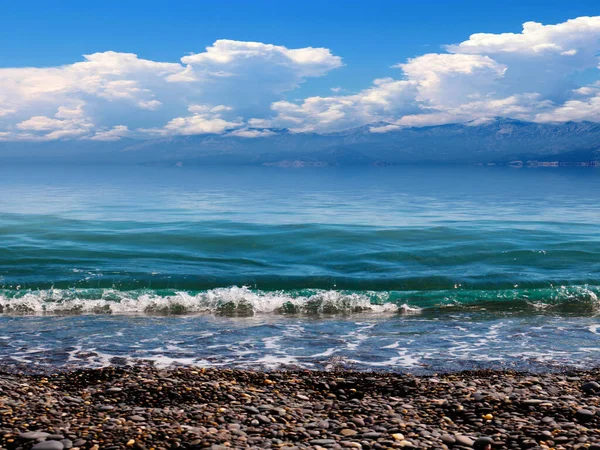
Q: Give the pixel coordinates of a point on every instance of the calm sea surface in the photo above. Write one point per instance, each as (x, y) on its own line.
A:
(417, 269)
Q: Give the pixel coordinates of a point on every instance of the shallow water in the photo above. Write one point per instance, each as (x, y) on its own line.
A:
(395, 268)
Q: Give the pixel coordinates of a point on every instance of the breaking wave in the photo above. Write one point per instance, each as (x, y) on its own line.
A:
(243, 301)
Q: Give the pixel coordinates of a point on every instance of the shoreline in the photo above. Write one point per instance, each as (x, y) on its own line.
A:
(142, 407)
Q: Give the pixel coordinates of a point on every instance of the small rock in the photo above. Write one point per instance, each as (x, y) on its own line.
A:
(358, 421)
(33, 436)
(55, 437)
(584, 415)
(263, 419)
(464, 440)
(48, 445)
(251, 409)
(532, 402)
(372, 435)
(448, 440)
(483, 443)
(591, 387)
(348, 432)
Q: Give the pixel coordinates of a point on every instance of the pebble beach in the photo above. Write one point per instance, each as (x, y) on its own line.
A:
(145, 408)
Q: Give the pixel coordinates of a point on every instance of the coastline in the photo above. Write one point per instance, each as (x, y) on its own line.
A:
(143, 407)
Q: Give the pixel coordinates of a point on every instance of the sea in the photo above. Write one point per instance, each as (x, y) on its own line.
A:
(420, 269)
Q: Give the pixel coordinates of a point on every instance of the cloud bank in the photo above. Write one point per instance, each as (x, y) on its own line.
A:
(239, 88)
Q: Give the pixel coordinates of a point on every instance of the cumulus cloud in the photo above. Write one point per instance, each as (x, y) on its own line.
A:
(251, 133)
(69, 122)
(386, 100)
(204, 119)
(225, 58)
(112, 134)
(565, 39)
(527, 76)
(238, 88)
(110, 86)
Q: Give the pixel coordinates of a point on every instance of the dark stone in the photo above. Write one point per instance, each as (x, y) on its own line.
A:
(584, 415)
(465, 441)
(591, 387)
(483, 443)
(322, 441)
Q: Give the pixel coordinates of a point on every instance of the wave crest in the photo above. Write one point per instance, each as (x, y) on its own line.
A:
(230, 301)
(244, 301)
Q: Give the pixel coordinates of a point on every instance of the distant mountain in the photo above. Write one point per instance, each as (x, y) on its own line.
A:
(499, 141)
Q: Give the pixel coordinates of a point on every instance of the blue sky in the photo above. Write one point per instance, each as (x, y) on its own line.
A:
(370, 35)
(367, 37)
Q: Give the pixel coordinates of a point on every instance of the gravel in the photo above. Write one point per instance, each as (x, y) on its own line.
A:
(145, 408)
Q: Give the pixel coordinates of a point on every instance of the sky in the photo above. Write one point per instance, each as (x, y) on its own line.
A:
(105, 70)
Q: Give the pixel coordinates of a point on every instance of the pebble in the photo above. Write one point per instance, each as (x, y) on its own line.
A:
(464, 440)
(483, 443)
(584, 415)
(33, 435)
(322, 441)
(48, 445)
(591, 387)
(448, 440)
(191, 408)
(137, 418)
(348, 432)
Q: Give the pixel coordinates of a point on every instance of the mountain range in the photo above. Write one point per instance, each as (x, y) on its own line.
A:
(499, 141)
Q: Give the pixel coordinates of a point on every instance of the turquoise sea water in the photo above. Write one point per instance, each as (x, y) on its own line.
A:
(396, 268)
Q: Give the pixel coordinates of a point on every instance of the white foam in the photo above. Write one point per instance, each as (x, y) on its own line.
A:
(278, 361)
(404, 359)
(232, 299)
(394, 345)
(594, 328)
(326, 353)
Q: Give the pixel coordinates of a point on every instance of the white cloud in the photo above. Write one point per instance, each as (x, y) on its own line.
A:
(205, 119)
(225, 57)
(384, 128)
(110, 87)
(532, 75)
(573, 110)
(250, 133)
(566, 39)
(113, 134)
(527, 76)
(384, 101)
(68, 122)
(5, 110)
